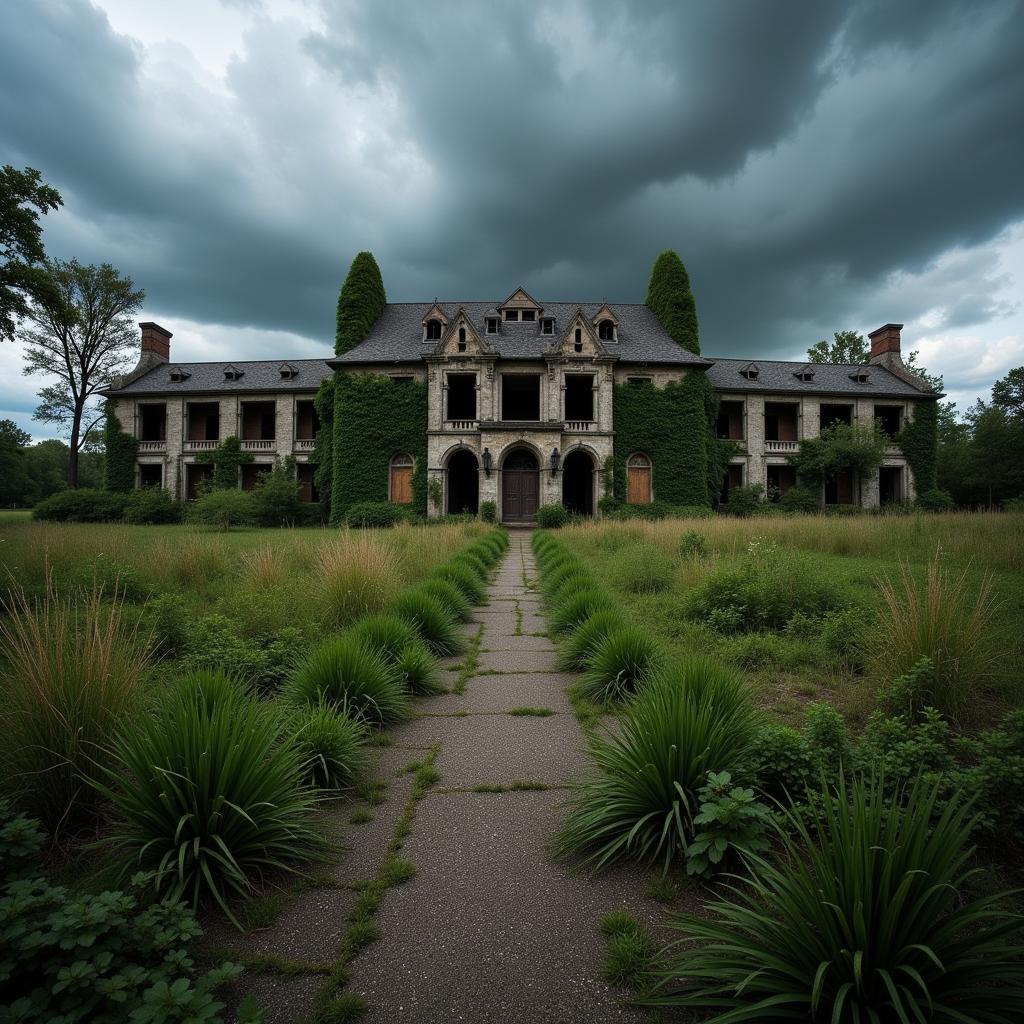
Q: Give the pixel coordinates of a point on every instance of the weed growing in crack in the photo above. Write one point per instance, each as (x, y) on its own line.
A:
(535, 712)
(360, 816)
(468, 667)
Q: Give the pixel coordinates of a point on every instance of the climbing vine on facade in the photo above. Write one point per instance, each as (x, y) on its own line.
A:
(323, 447)
(375, 419)
(120, 452)
(918, 440)
(227, 459)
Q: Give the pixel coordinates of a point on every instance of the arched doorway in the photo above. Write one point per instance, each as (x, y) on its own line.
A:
(520, 486)
(463, 483)
(578, 482)
(638, 480)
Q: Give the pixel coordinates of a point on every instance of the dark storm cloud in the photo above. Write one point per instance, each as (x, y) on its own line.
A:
(797, 155)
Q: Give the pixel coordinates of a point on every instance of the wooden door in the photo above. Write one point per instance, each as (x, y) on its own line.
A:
(638, 480)
(530, 489)
(512, 494)
(401, 485)
(520, 487)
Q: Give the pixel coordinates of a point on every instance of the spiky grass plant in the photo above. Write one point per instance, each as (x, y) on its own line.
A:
(577, 648)
(575, 609)
(865, 916)
(208, 792)
(465, 579)
(418, 670)
(475, 562)
(554, 579)
(74, 669)
(639, 799)
(431, 620)
(946, 621)
(331, 745)
(450, 596)
(358, 574)
(620, 665)
(351, 676)
(399, 645)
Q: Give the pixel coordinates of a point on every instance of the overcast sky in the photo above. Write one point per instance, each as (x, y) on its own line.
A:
(817, 165)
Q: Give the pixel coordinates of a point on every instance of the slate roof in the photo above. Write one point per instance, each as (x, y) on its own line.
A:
(779, 376)
(397, 335)
(262, 375)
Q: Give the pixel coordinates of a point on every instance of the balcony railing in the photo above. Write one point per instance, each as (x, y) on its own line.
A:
(893, 449)
(259, 446)
(200, 446)
(461, 424)
(152, 446)
(304, 444)
(781, 446)
(580, 426)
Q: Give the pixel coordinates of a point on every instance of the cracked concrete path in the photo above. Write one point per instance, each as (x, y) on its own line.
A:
(491, 928)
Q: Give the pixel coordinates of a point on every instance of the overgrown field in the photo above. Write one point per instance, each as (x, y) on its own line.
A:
(799, 605)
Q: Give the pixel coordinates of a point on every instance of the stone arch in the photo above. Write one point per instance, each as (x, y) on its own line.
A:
(462, 480)
(579, 480)
(520, 472)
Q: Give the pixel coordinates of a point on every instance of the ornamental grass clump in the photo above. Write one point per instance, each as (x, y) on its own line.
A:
(866, 915)
(357, 574)
(576, 608)
(620, 665)
(74, 672)
(639, 800)
(209, 793)
(353, 678)
(465, 578)
(451, 597)
(399, 645)
(431, 621)
(577, 648)
(331, 746)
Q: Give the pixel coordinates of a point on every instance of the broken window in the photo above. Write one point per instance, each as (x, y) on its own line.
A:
(780, 421)
(153, 422)
(579, 396)
(259, 421)
(780, 480)
(252, 472)
(511, 314)
(730, 421)
(461, 396)
(547, 326)
(307, 423)
(888, 419)
(606, 330)
(433, 330)
(832, 414)
(151, 474)
(733, 478)
(520, 396)
(203, 421)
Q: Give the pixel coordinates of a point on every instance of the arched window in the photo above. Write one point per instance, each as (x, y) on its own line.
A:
(578, 343)
(401, 480)
(462, 339)
(638, 480)
(606, 330)
(433, 330)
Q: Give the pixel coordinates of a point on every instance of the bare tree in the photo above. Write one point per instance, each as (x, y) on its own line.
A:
(84, 336)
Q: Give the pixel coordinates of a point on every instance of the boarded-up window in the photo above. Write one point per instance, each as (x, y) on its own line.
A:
(401, 480)
(638, 480)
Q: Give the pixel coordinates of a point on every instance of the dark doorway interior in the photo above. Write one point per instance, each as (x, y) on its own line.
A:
(203, 421)
(579, 397)
(151, 474)
(307, 423)
(252, 473)
(733, 478)
(463, 483)
(578, 483)
(890, 485)
(730, 421)
(780, 421)
(839, 489)
(305, 474)
(461, 396)
(520, 487)
(259, 421)
(153, 422)
(520, 396)
(196, 475)
(780, 479)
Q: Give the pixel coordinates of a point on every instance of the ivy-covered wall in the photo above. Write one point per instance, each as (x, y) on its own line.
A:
(120, 451)
(376, 418)
(323, 446)
(918, 440)
(670, 426)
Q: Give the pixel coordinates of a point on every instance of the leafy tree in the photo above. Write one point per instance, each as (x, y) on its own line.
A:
(10, 431)
(846, 347)
(360, 301)
(1008, 393)
(275, 497)
(995, 466)
(23, 197)
(934, 381)
(227, 458)
(670, 299)
(84, 335)
(13, 478)
(841, 446)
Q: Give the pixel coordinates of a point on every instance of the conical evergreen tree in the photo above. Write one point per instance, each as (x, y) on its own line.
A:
(360, 301)
(669, 298)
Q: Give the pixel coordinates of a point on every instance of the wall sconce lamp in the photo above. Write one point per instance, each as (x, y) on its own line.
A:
(555, 459)
(486, 459)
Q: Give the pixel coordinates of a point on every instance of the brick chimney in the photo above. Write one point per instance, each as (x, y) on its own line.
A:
(156, 343)
(885, 351)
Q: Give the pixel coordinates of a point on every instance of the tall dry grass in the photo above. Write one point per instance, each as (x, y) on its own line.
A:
(944, 619)
(358, 572)
(74, 672)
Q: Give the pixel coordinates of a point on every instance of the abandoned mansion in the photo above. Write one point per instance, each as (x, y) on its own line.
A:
(446, 405)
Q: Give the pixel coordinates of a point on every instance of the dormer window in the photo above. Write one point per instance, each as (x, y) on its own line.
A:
(578, 341)
(178, 374)
(860, 376)
(606, 330)
(750, 371)
(529, 316)
(512, 315)
(433, 330)
(232, 373)
(547, 326)
(288, 372)
(462, 339)
(492, 325)
(805, 373)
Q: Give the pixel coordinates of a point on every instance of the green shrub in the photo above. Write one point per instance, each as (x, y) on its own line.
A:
(577, 608)
(827, 737)
(628, 955)
(620, 665)
(577, 649)
(153, 505)
(744, 501)
(731, 821)
(783, 764)
(552, 516)
(935, 500)
(693, 545)
(330, 746)
(801, 499)
(451, 597)
(417, 670)
(207, 792)
(844, 636)
(169, 623)
(214, 643)
(996, 776)
(870, 919)
(380, 514)
(74, 669)
(223, 509)
(658, 510)
(465, 578)
(641, 569)
(488, 511)
(639, 802)
(431, 620)
(351, 677)
(82, 506)
(275, 498)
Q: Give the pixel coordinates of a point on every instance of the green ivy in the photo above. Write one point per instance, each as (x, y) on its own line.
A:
(670, 299)
(670, 426)
(226, 458)
(376, 418)
(841, 446)
(120, 453)
(918, 440)
(323, 446)
(360, 301)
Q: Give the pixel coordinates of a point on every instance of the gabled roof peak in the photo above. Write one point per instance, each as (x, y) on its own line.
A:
(520, 299)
